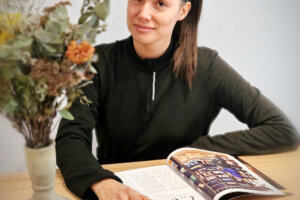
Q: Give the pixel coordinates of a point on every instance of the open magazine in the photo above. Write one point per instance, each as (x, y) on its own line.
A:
(195, 174)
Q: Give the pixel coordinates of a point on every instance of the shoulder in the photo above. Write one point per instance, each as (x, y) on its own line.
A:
(212, 64)
(206, 57)
(206, 51)
(110, 53)
(107, 49)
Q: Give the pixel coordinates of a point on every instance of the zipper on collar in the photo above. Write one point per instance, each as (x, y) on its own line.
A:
(153, 85)
(150, 95)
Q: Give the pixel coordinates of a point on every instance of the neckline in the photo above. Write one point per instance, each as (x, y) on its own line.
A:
(150, 65)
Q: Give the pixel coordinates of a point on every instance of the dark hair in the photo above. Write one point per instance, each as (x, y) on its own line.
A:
(185, 36)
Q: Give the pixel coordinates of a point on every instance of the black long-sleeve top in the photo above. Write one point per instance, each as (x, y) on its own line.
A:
(141, 111)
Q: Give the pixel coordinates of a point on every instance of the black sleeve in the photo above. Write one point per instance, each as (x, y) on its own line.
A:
(80, 169)
(269, 129)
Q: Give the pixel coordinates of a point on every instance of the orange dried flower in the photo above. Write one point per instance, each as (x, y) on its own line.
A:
(79, 53)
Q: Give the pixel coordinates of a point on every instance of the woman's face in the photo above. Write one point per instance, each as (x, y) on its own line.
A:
(151, 21)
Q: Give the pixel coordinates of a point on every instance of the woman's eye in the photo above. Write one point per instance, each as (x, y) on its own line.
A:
(161, 4)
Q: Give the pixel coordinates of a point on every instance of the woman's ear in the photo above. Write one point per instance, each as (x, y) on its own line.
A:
(184, 11)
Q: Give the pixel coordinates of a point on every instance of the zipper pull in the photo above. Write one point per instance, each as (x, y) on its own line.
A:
(153, 85)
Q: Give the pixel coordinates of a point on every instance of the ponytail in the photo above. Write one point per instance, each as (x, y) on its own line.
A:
(185, 34)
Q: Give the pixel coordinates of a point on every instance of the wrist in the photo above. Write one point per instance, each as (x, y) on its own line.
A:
(97, 186)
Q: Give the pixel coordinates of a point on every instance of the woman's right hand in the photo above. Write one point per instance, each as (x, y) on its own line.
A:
(110, 189)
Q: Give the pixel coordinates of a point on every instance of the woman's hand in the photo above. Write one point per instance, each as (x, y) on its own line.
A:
(110, 189)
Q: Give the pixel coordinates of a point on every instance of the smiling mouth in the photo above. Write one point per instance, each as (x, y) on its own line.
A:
(141, 26)
(142, 29)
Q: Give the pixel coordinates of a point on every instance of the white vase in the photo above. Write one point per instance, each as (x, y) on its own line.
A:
(41, 165)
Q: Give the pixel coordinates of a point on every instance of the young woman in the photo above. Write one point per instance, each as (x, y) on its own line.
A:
(157, 91)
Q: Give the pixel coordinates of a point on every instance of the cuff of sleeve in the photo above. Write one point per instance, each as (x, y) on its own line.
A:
(83, 187)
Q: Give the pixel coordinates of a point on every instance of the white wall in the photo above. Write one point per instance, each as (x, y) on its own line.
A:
(260, 39)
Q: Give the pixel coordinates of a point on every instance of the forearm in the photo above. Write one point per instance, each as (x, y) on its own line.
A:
(260, 140)
(80, 169)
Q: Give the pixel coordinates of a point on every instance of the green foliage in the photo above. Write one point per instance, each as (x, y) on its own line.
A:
(37, 78)
(49, 44)
(11, 106)
(15, 49)
(60, 14)
(102, 10)
(90, 19)
(66, 114)
(84, 17)
(40, 90)
(56, 26)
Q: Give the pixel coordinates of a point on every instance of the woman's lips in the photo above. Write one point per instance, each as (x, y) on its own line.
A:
(143, 29)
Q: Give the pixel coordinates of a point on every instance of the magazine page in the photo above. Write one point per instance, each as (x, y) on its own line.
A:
(266, 178)
(217, 174)
(159, 183)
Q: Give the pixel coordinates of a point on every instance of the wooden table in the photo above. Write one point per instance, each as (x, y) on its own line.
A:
(283, 168)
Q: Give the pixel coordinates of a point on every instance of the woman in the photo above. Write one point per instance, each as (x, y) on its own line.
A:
(156, 91)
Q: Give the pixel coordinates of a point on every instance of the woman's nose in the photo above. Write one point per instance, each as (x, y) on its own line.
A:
(145, 12)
